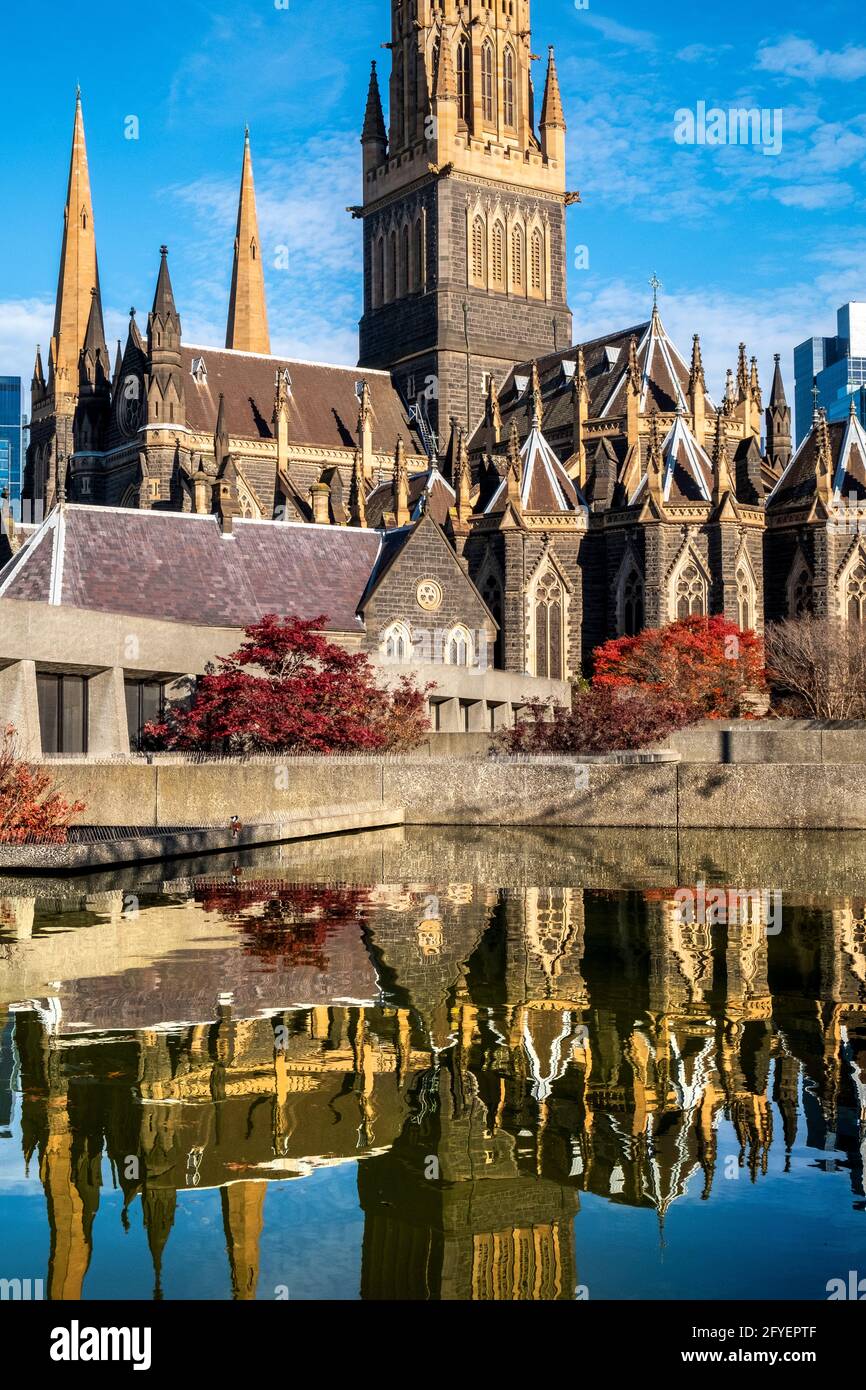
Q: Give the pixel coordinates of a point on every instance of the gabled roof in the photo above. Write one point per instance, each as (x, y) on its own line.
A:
(664, 376)
(605, 359)
(323, 406)
(545, 485)
(428, 492)
(688, 471)
(179, 567)
(797, 483)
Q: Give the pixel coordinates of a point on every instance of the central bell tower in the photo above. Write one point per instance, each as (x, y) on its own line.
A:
(464, 207)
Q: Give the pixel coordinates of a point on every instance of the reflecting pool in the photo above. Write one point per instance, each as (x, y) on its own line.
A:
(440, 1064)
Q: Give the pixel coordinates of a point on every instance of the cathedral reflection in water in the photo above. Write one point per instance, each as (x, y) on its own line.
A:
(484, 1054)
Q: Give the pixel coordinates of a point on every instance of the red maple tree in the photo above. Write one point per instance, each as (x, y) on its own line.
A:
(288, 687)
(707, 663)
(30, 807)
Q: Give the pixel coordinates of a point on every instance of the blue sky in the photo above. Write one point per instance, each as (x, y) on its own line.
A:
(746, 245)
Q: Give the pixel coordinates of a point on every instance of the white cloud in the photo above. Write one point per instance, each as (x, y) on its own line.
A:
(702, 52)
(803, 60)
(23, 324)
(813, 197)
(615, 32)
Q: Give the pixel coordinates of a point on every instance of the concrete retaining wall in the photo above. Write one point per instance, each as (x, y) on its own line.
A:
(771, 741)
(453, 791)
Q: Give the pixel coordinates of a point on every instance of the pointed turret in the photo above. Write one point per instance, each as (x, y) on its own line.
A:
(357, 493)
(723, 484)
(94, 354)
(165, 384)
(118, 361)
(79, 272)
(247, 329)
(401, 485)
(463, 479)
(221, 441)
(742, 374)
(552, 124)
(374, 136)
(514, 476)
(655, 464)
(778, 417)
(697, 391)
(823, 459)
(535, 408)
(37, 381)
(444, 100)
(492, 412)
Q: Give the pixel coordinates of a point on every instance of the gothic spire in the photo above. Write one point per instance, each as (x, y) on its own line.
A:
(778, 399)
(163, 299)
(696, 375)
(247, 329)
(79, 273)
(374, 121)
(742, 374)
(221, 439)
(722, 479)
(94, 353)
(551, 108)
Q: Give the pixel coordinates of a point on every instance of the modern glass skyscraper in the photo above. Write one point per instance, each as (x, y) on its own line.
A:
(836, 366)
(10, 438)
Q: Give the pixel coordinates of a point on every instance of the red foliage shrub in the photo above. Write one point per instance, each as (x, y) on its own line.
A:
(601, 720)
(30, 808)
(283, 923)
(287, 687)
(708, 663)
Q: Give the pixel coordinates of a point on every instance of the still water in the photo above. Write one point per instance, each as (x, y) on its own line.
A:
(439, 1065)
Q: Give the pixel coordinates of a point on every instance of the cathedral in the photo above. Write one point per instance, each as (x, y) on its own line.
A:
(584, 489)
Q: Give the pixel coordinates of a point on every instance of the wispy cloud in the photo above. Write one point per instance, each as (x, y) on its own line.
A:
(615, 32)
(703, 52)
(803, 60)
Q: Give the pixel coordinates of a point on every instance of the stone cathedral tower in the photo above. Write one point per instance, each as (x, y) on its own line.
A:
(464, 207)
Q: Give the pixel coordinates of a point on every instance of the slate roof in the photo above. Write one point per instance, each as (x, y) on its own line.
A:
(848, 452)
(664, 383)
(428, 492)
(323, 407)
(605, 359)
(545, 485)
(179, 567)
(688, 470)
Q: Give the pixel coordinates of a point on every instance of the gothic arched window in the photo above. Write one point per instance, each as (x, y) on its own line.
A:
(631, 605)
(487, 81)
(497, 251)
(419, 255)
(464, 81)
(549, 627)
(536, 261)
(379, 272)
(404, 260)
(396, 643)
(492, 595)
(392, 267)
(855, 593)
(690, 594)
(517, 257)
(745, 599)
(508, 87)
(458, 648)
(800, 605)
(478, 257)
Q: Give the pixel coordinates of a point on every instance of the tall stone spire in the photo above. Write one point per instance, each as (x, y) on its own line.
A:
(552, 124)
(247, 329)
(374, 136)
(79, 273)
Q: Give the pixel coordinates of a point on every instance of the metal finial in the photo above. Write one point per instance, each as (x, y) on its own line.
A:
(655, 286)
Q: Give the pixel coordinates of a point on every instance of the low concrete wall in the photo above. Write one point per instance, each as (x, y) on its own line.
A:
(466, 791)
(771, 741)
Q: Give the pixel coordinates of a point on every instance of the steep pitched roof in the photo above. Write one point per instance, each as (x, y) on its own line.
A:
(323, 406)
(797, 483)
(605, 361)
(428, 492)
(688, 471)
(545, 486)
(664, 376)
(179, 567)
